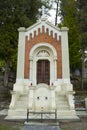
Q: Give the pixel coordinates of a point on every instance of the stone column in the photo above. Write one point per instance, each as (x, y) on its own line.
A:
(55, 68)
(53, 105)
(65, 53)
(21, 53)
(31, 99)
(31, 67)
(86, 103)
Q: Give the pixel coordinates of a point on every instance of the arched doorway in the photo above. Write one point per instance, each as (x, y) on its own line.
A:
(43, 54)
(43, 71)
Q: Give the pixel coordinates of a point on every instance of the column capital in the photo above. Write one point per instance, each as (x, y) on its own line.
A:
(64, 29)
(21, 29)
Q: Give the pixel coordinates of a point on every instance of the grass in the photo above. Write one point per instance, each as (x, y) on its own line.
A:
(69, 129)
(3, 127)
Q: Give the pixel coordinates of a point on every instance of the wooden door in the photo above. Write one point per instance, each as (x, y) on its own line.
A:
(43, 71)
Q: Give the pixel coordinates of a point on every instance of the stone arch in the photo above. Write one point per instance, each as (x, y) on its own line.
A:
(43, 45)
(46, 52)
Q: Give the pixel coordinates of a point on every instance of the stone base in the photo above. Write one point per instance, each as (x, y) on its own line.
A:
(43, 97)
(61, 115)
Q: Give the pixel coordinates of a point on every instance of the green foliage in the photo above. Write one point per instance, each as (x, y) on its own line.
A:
(69, 19)
(82, 17)
(3, 127)
(14, 14)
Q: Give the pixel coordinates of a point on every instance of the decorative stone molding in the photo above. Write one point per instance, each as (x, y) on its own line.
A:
(43, 53)
(43, 26)
(15, 96)
(21, 29)
(64, 29)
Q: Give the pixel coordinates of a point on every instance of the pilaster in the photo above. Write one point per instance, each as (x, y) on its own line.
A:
(21, 53)
(65, 53)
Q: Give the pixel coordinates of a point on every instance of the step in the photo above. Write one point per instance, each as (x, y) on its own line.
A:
(61, 102)
(20, 112)
(21, 104)
(62, 108)
(65, 113)
(62, 99)
(23, 98)
(41, 127)
(22, 101)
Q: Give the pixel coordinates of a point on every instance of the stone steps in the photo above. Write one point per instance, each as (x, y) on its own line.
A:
(19, 112)
(65, 112)
(21, 106)
(62, 103)
(66, 107)
(22, 102)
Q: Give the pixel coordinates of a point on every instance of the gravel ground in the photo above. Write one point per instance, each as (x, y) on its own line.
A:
(65, 125)
(75, 125)
(11, 123)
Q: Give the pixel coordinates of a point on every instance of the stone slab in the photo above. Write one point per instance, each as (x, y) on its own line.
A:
(40, 127)
(4, 112)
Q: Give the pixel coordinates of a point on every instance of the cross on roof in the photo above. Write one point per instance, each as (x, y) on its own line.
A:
(43, 10)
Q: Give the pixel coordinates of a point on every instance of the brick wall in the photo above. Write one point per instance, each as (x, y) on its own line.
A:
(43, 37)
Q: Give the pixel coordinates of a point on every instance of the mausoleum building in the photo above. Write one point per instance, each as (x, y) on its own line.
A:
(43, 76)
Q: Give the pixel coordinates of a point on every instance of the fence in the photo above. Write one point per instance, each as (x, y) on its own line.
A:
(81, 105)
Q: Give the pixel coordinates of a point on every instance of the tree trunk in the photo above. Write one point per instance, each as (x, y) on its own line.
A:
(6, 74)
(57, 3)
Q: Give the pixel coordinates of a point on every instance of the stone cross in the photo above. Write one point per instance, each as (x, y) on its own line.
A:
(42, 9)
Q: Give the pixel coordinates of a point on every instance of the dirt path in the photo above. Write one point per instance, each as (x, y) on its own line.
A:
(18, 124)
(65, 125)
(75, 125)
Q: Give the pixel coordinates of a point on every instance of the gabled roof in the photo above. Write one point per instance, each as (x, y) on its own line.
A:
(47, 26)
(44, 21)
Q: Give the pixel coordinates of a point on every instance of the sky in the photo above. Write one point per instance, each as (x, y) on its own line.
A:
(52, 12)
(52, 17)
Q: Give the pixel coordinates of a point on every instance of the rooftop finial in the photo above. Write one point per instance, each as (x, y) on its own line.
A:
(43, 10)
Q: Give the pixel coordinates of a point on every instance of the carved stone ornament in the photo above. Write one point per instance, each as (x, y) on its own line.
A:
(43, 53)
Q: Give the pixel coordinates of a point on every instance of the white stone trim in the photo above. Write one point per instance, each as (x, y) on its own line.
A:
(46, 25)
(65, 53)
(21, 53)
(45, 45)
(52, 58)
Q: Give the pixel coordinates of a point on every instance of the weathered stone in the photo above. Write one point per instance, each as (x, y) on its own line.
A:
(43, 78)
(41, 127)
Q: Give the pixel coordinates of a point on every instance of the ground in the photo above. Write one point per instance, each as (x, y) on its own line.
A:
(18, 125)
(75, 125)
(65, 125)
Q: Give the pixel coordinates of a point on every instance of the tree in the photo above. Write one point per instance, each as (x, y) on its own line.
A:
(69, 19)
(82, 18)
(13, 14)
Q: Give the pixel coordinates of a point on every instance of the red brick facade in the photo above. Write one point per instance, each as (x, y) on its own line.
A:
(43, 37)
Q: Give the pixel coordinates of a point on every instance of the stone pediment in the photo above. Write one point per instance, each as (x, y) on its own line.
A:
(37, 29)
